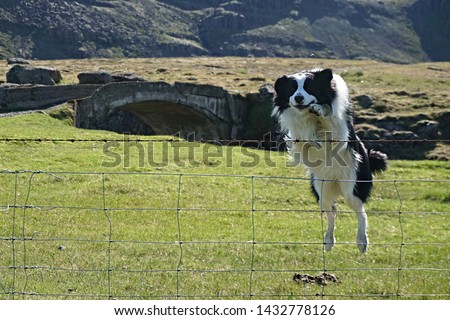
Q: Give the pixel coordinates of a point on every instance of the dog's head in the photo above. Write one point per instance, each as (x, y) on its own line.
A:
(303, 89)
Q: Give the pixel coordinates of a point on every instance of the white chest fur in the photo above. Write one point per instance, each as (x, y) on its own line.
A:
(322, 144)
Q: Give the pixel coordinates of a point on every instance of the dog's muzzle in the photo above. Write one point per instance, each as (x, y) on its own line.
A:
(300, 102)
(303, 106)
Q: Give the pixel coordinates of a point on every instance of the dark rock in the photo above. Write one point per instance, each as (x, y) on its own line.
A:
(17, 61)
(372, 133)
(390, 124)
(406, 145)
(34, 75)
(426, 129)
(364, 100)
(200, 89)
(400, 93)
(381, 108)
(123, 77)
(444, 120)
(95, 77)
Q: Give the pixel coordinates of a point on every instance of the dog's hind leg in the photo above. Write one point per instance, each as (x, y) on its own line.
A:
(362, 241)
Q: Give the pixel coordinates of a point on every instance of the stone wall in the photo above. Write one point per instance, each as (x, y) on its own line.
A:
(29, 97)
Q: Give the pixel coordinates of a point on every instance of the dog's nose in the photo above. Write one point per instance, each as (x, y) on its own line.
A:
(299, 99)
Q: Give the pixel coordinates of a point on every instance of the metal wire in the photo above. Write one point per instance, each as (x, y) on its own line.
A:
(252, 266)
(231, 142)
(105, 209)
(402, 243)
(180, 241)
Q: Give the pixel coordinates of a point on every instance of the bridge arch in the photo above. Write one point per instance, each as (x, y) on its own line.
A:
(168, 109)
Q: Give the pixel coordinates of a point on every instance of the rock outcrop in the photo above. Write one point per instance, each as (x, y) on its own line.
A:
(95, 77)
(33, 75)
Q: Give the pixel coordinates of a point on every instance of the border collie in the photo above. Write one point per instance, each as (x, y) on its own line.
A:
(315, 111)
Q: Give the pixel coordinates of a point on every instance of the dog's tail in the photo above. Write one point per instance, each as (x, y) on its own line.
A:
(378, 161)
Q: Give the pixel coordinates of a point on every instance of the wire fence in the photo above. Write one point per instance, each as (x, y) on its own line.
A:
(192, 138)
(168, 235)
(159, 235)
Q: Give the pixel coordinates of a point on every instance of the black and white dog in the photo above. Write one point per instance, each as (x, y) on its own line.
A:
(315, 111)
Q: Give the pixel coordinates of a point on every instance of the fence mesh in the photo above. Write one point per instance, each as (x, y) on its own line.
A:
(157, 235)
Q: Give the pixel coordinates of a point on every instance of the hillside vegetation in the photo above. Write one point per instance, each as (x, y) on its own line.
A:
(399, 31)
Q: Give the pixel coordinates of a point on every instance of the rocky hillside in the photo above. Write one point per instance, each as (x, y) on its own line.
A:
(389, 30)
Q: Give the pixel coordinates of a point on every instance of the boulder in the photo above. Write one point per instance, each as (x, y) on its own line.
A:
(444, 120)
(95, 77)
(390, 124)
(34, 75)
(364, 100)
(426, 129)
(370, 134)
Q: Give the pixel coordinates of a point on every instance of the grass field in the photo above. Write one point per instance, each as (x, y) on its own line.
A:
(168, 219)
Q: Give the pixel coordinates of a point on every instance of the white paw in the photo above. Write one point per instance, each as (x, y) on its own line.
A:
(362, 242)
(316, 108)
(323, 110)
(329, 242)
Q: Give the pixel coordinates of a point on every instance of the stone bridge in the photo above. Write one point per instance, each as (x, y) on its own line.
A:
(168, 109)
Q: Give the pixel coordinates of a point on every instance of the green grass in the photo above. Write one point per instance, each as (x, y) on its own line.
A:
(227, 197)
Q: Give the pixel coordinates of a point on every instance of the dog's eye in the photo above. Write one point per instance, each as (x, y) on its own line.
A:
(307, 84)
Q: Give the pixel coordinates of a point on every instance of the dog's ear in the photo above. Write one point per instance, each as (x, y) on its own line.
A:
(325, 76)
(285, 87)
(281, 85)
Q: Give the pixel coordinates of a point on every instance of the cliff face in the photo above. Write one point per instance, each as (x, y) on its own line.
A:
(431, 21)
(54, 29)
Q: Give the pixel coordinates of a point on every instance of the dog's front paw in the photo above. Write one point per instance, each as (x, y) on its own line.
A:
(316, 109)
(329, 242)
(323, 110)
